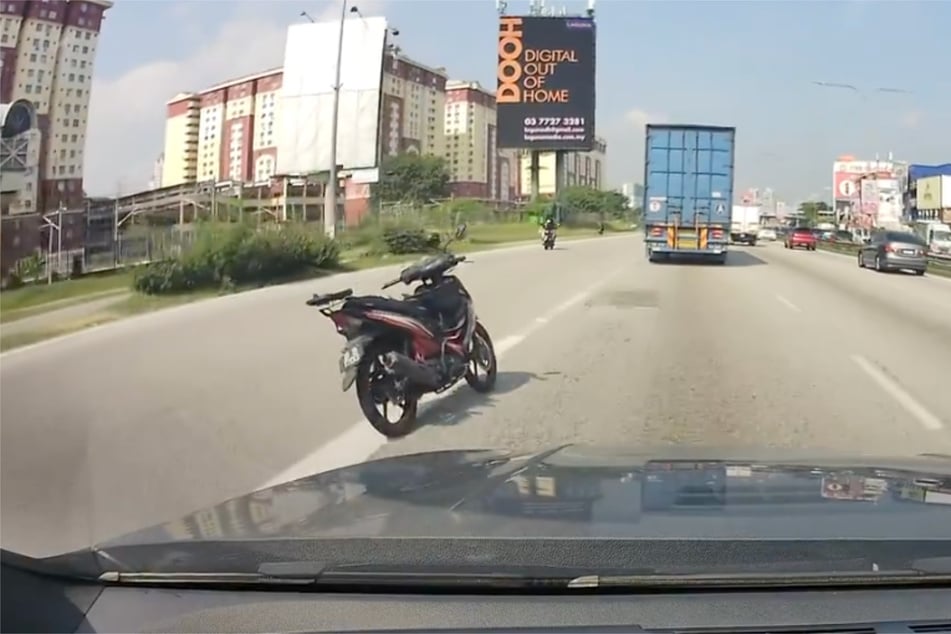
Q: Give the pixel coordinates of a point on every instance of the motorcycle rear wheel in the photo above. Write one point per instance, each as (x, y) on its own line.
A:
(370, 378)
(482, 340)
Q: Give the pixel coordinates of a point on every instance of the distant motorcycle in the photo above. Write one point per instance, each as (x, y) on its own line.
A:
(548, 239)
(399, 350)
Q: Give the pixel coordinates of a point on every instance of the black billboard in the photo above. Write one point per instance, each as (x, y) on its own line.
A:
(545, 91)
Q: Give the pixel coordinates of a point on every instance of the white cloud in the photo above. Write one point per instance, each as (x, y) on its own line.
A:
(640, 118)
(910, 120)
(626, 144)
(127, 114)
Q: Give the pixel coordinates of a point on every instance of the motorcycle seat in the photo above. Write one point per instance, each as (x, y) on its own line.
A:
(409, 308)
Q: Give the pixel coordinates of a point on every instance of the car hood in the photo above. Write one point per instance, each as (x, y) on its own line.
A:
(583, 492)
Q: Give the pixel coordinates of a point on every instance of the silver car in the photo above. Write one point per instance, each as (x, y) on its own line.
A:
(894, 251)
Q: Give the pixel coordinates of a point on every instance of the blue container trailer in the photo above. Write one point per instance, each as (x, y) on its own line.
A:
(688, 191)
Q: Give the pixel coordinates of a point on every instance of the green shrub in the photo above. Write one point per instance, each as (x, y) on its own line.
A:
(403, 240)
(228, 256)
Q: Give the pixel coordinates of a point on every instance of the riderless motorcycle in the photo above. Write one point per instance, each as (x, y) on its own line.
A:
(399, 350)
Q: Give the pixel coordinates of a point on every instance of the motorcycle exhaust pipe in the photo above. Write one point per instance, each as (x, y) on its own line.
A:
(418, 373)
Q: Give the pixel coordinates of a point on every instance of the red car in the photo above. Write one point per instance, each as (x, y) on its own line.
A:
(801, 237)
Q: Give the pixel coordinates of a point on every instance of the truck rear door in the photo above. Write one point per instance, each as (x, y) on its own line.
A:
(688, 188)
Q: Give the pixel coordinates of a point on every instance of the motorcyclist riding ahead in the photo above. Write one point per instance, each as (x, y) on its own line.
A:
(548, 232)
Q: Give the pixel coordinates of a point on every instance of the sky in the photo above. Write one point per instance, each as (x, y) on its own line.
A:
(750, 64)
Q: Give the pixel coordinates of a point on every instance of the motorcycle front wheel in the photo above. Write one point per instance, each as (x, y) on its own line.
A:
(375, 392)
(482, 357)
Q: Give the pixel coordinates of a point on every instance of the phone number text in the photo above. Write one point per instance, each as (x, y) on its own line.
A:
(552, 122)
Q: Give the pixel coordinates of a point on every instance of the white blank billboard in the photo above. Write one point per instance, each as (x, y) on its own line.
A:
(306, 117)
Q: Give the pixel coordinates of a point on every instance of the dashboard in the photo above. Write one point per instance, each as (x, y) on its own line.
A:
(36, 603)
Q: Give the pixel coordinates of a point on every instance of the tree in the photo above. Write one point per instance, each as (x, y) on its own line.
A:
(413, 178)
(594, 201)
(811, 210)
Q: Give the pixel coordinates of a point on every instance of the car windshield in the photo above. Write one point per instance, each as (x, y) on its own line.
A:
(281, 275)
(941, 236)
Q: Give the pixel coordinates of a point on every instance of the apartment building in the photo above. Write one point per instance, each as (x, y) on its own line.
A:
(47, 56)
(228, 132)
(478, 168)
(581, 169)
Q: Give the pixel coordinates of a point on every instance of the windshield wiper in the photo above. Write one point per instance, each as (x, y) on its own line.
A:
(762, 580)
(317, 574)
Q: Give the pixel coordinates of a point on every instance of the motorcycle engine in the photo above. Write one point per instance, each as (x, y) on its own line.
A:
(455, 366)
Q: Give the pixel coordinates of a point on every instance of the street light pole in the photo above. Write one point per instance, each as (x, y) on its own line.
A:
(59, 239)
(330, 200)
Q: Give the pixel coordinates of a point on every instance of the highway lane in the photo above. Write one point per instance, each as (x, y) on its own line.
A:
(134, 422)
(148, 419)
(784, 349)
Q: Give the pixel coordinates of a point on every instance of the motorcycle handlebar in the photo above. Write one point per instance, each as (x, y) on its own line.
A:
(456, 259)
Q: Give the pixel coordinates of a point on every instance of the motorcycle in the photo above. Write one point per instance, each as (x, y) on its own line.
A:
(548, 239)
(398, 350)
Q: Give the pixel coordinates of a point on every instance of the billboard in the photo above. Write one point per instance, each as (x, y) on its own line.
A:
(307, 95)
(545, 91)
(856, 186)
(934, 192)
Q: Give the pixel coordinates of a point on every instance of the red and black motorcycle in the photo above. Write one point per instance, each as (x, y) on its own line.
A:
(399, 350)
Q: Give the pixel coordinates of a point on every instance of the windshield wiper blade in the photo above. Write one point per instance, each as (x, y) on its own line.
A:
(306, 573)
(318, 574)
(762, 580)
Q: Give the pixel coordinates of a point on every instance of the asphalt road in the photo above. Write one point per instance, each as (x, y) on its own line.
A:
(145, 420)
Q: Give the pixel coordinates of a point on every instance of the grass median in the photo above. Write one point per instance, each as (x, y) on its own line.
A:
(36, 300)
(935, 267)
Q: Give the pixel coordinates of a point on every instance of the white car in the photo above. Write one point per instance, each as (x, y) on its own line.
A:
(766, 235)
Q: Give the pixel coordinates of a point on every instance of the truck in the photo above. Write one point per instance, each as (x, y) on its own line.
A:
(688, 191)
(744, 224)
(937, 235)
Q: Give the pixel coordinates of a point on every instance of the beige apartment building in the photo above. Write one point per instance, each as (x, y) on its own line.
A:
(47, 60)
(228, 132)
(479, 169)
(581, 168)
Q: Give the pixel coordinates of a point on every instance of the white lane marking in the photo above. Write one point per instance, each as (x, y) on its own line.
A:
(906, 400)
(508, 343)
(360, 440)
(136, 320)
(788, 304)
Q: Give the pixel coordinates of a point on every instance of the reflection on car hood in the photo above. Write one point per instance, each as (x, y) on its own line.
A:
(574, 491)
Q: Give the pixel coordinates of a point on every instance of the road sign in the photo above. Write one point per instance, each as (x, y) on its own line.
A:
(655, 205)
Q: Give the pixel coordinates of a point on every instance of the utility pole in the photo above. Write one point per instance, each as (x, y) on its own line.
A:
(58, 227)
(330, 200)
